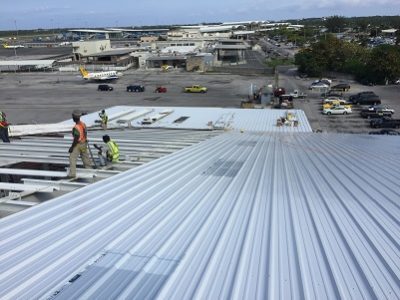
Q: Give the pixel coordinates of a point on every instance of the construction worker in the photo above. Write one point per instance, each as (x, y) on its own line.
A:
(112, 153)
(79, 145)
(4, 128)
(103, 119)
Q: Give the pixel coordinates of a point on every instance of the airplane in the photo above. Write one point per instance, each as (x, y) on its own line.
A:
(7, 46)
(99, 76)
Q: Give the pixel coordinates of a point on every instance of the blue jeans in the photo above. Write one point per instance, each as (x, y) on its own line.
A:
(4, 134)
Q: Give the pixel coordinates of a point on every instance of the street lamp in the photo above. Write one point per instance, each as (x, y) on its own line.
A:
(16, 40)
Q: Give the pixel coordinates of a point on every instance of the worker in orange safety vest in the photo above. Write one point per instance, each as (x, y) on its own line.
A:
(79, 145)
(4, 128)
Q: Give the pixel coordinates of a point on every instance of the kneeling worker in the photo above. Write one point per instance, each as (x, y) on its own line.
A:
(113, 150)
(79, 145)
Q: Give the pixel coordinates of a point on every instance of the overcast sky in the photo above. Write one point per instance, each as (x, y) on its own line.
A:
(32, 14)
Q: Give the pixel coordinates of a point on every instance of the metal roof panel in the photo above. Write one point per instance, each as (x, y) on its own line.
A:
(243, 216)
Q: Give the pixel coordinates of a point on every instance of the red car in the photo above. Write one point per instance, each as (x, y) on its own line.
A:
(160, 89)
(279, 91)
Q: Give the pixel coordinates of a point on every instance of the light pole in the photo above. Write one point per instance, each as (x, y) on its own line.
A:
(16, 41)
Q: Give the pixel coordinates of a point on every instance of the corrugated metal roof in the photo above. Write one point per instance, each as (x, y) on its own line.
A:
(238, 216)
(166, 57)
(232, 47)
(112, 52)
(204, 118)
(40, 163)
(40, 63)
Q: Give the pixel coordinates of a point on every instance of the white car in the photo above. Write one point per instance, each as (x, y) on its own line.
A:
(319, 85)
(337, 110)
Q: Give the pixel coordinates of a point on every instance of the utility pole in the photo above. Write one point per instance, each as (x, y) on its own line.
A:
(16, 43)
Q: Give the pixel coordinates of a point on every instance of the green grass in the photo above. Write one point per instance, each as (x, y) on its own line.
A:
(279, 62)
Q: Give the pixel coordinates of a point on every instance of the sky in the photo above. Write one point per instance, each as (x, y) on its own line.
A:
(34, 14)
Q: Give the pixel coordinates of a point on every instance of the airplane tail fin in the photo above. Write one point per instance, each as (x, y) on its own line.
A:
(83, 72)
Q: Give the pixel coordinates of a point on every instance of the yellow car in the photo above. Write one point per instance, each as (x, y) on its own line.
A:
(333, 103)
(195, 89)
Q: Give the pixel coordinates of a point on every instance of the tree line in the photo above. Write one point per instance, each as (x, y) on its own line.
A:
(379, 65)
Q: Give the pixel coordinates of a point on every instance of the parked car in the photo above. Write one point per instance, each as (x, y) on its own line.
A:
(365, 99)
(104, 87)
(160, 89)
(322, 80)
(332, 99)
(383, 108)
(337, 110)
(336, 103)
(318, 85)
(279, 91)
(195, 89)
(341, 87)
(135, 88)
(356, 96)
(385, 123)
(332, 94)
(373, 114)
(385, 132)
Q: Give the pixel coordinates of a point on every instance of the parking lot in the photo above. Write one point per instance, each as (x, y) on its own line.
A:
(352, 123)
(50, 97)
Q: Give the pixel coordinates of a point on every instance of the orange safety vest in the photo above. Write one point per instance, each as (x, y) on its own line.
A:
(3, 121)
(81, 128)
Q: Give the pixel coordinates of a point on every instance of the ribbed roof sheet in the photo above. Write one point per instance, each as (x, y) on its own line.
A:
(239, 216)
(205, 118)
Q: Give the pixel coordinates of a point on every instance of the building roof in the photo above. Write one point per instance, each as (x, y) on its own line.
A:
(200, 118)
(38, 63)
(139, 30)
(218, 28)
(166, 57)
(241, 216)
(392, 30)
(232, 47)
(114, 52)
(39, 163)
(244, 32)
(93, 31)
(179, 49)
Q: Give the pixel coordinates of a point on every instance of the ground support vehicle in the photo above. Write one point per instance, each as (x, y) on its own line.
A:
(105, 87)
(135, 88)
(160, 89)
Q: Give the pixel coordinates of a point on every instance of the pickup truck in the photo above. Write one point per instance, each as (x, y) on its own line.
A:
(195, 89)
(385, 123)
(371, 114)
(296, 94)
